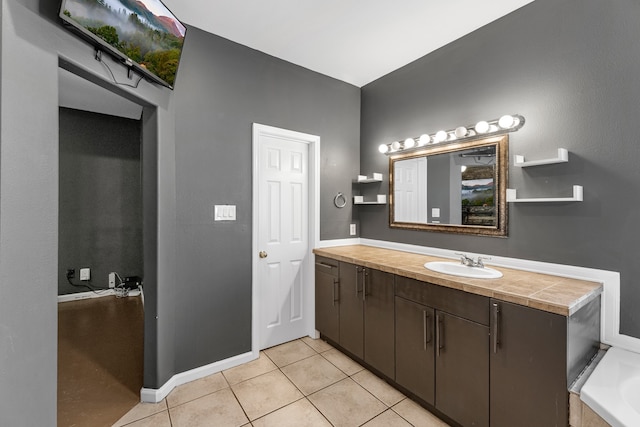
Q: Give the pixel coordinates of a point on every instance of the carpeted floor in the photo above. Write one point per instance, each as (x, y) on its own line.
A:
(100, 360)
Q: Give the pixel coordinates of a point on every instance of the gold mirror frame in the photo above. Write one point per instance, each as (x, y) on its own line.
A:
(502, 166)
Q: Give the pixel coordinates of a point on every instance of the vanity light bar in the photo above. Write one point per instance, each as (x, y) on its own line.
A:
(505, 124)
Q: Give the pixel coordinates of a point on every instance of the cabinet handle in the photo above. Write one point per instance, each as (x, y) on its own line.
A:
(425, 329)
(357, 280)
(429, 336)
(365, 279)
(495, 323)
(321, 264)
(336, 282)
(439, 334)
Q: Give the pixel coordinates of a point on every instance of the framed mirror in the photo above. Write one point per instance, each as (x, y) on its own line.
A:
(456, 188)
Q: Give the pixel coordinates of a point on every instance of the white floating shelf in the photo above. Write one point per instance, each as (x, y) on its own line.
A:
(375, 177)
(381, 199)
(577, 196)
(563, 157)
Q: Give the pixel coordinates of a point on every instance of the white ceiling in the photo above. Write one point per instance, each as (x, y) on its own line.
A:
(353, 41)
(80, 94)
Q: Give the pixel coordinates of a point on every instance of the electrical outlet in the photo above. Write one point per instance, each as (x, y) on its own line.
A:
(112, 280)
(85, 274)
(352, 229)
(71, 273)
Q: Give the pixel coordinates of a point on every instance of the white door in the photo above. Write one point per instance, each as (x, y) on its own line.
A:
(282, 258)
(410, 190)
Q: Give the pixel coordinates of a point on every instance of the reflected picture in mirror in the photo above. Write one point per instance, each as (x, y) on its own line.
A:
(458, 188)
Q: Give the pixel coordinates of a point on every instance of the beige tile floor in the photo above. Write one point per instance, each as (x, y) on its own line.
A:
(301, 383)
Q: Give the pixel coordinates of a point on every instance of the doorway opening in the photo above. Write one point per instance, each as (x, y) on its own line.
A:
(100, 228)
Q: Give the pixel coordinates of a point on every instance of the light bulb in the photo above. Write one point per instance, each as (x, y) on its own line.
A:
(482, 127)
(424, 140)
(440, 136)
(409, 143)
(506, 121)
(395, 145)
(461, 132)
(383, 148)
(463, 168)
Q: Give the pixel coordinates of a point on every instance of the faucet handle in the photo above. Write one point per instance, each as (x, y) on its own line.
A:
(479, 262)
(464, 258)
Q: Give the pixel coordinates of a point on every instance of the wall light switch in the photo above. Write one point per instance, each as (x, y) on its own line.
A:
(224, 213)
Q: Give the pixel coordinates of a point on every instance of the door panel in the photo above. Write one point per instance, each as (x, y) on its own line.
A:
(351, 309)
(327, 301)
(414, 348)
(379, 321)
(462, 370)
(271, 302)
(531, 350)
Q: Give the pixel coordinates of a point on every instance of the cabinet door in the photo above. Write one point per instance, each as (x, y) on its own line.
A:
(379, 321)
(327, 299)
(528, 367)
(414, 348)
(462, 370)
(351, 309)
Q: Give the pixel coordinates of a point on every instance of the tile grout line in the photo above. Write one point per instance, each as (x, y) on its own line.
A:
(305, 397)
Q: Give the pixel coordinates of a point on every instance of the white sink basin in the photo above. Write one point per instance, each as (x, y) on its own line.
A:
(457, 269)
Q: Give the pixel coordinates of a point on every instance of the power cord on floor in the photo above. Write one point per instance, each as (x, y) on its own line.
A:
(87, 285)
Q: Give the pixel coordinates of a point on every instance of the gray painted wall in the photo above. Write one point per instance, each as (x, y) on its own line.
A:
(100, 198)
(439, 186)
(29, 209)
(283, 95)
(223, 89)
(571, 68)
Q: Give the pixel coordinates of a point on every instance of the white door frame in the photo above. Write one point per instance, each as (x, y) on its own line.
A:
(314, 227)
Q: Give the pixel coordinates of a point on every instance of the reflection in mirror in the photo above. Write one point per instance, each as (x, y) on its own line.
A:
(456, 188)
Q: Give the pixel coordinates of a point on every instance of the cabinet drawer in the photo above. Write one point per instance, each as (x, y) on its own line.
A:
(414, 290)
(462, 304)
(327, 265)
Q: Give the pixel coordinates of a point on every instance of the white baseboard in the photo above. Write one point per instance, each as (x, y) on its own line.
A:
(339, 242)
(97, 294)
(151, 395)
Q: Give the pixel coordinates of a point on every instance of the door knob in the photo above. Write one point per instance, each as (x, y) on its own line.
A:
(262, 254)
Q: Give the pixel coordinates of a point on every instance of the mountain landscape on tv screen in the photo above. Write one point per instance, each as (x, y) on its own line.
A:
(152, 40)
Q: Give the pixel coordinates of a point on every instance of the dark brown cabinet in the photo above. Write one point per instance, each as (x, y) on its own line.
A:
(528, 367)
(378, 321)
(366, 316)
(327, 298)
(351, 309)
(442, 357)
(462, 369)
(415, 356)
(478, 361)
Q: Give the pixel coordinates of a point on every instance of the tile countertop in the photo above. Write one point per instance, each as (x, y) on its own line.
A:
(555, 294)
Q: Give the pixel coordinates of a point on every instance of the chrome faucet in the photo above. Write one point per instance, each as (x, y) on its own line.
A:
(470, 262)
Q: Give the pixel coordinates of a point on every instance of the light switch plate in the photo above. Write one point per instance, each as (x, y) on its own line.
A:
(224, 212)
(85, 274)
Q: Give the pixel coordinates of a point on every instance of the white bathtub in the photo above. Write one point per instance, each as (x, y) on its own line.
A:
(613, 389)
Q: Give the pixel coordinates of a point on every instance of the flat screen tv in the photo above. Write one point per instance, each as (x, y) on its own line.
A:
(143, 34)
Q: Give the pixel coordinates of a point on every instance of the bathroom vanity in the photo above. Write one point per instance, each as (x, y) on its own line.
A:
(478, 352)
